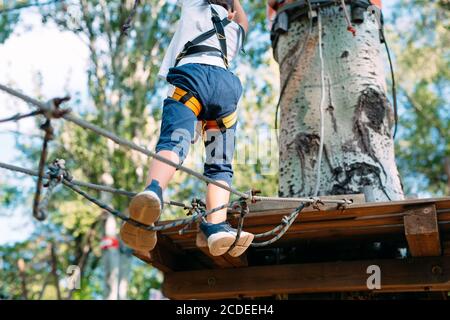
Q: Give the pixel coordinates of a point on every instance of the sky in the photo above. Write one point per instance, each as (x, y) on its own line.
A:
(57, 56)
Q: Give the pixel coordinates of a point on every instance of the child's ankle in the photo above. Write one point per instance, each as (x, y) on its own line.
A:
(156, 188)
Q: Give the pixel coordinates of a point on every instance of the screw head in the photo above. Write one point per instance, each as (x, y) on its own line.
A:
(436, 270)
(211, 281)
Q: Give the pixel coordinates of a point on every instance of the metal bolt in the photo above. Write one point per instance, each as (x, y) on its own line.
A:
(211, 281)
(436, 270)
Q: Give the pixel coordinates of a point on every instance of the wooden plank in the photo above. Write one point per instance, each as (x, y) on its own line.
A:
(422, 232)
(272, 205)
(410, 275)
(224, 261)
(446, 248)
(329, 212)
(168, 257)
(374, 231)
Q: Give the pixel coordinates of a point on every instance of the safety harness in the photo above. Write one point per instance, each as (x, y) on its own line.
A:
(195, 47)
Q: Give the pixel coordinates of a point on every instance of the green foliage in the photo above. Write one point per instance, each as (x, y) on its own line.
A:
(8, 18)
(423, 69)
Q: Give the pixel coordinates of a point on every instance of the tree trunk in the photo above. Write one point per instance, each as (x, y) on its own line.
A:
(358, 149)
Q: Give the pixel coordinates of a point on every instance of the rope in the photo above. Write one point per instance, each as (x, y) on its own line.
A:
(37, 212)
(49, 112)
(244, 212)
(350, 27)
(120, 141)
(89, 185)
(19, 116)
(201, 213)
(72, 184)
(197, 205)
(287, 222)
(58, 174)
(321, 108)
(394, 85)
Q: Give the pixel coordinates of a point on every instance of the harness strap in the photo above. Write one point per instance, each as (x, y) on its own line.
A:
(194, 50)
(188, 99)
(222, 124)
(194, 47)
(220, 32)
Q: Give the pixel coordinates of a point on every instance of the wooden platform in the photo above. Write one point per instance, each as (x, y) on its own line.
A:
(307, 258)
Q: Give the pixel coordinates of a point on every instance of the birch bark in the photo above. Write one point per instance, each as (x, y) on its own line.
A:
(358, 150)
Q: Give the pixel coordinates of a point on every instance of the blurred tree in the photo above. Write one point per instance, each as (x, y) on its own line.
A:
(9, 16)
(422, 39)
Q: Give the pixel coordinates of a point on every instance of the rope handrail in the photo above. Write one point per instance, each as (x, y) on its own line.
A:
(48, 111)
(58, 174)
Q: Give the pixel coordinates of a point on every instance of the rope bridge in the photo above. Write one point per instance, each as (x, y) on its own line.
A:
(58, 174)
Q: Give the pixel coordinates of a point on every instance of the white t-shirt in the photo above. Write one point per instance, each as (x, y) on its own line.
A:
(195, 20)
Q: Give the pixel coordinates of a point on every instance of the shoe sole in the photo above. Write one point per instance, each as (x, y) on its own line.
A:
(146, 210)
(244, 242)
(220, 244)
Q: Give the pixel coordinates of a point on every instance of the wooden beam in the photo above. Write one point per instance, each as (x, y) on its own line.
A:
(224, 261)
(446, 248)
(273, 205)
(167, 257)
(409, 275)
(422, 231)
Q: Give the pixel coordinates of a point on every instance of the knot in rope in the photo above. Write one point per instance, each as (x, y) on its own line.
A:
(316, 201)
(285, 220)
(55, 174)
(54, 110)
(243, 205)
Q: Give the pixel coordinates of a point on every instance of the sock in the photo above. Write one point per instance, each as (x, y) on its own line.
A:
(155, 187)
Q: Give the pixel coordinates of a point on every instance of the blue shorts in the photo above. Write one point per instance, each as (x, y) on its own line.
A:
(218, 90)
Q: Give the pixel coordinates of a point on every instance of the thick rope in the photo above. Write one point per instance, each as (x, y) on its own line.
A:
(125, 143)
(37, 212)
(19, 116)
(244, 212)
(287, 222)
(89, 185)
(73, 185)
(48, 111)
(200, 212)
(51, 110)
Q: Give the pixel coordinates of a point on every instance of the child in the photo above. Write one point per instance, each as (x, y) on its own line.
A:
(209, 35)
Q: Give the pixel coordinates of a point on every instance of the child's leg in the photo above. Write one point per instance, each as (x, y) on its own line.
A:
(162, 172)
(219, 156)
(177, 131)
(215, 197)
(219, 147)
